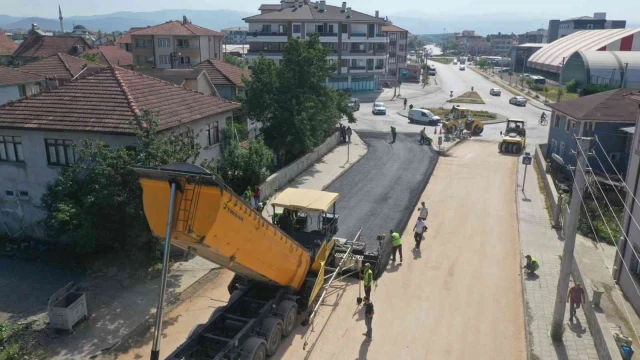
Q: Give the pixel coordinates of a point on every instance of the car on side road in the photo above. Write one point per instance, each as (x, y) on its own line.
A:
(495, 92)
(354, 104)
(462, 67)
(518, 101)
(423, 116)
(379, 108)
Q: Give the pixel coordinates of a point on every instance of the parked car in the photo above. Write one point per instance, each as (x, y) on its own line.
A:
(455, 62)
(378, 108)
(518, 101)
(422, 116)
(495, 92)
(462, 67)
(354, 104)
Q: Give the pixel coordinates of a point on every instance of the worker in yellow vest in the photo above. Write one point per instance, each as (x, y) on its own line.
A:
(396, 242)
(367, 281)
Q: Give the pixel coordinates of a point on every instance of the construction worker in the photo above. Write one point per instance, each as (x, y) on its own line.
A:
(368, 318)
(248, 194)
(405, 103)
(419, 230)
(576, 296)
(423, 136)
(367, 281)
(393, 134)
(396, 242)
(532, 265)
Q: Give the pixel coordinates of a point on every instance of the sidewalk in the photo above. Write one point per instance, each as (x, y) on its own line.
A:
(542, 242)
(179, 322)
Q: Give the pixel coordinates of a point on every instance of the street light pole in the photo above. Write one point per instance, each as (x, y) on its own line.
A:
(570, 230)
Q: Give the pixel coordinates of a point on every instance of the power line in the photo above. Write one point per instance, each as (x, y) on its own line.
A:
(605, 261)
(617, 173)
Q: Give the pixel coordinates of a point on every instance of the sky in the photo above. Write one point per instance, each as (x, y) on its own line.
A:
(552, 9)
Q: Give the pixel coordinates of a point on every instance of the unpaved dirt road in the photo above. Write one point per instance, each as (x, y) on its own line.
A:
(460, 297)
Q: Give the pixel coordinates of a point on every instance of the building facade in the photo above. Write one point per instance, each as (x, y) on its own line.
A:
(175, 45)
(235, 35)
(533, 37)
(398, 48)
(501, 44)
(359, 47)
(16, 84)
(561, 28)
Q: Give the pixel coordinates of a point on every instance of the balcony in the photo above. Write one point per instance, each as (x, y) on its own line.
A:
(358, 34)
(327, 34)
(188, 46)
(358, 68)
(379, 67)
(268, 33)
(358, 51)
(381, 35)
(144, 46)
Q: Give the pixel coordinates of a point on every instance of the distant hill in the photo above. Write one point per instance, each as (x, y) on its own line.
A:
(121, 21)
(483, 24)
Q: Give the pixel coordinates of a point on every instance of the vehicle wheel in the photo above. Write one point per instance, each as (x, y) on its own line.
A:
(512, 148)
(517, 148)
(500, 147)
(254, 349)
(287, 311)
(272, 330)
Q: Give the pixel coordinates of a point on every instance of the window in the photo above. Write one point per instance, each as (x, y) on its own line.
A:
(401, 59)
(344, 62)
(561, 152)
(567, 124)
(589, 26)
(354, 63)
(163, 42)
(379, 63)
(185, 60)
(266, 28)
(345, 46)
(554, 146)
(11, 149)
(319, 28)
(213, 133)
(164, 59)
(9, 193)
(392, 48)
(282, 29)
(401, 47)
(403, 36)
(296, 29)
(266, 46)
(393, 37)
(60, 151)
(369, 64)
(345, 28)
(330, 29)
(556, 121)
(23, 194)
(392, 60)
(591, 125)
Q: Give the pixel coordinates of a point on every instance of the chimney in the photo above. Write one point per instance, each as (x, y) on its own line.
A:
(377, 13)
(323, 5)
(51, 83)
(348, 12)
(281, 4)
(184, 20)
(344, 6)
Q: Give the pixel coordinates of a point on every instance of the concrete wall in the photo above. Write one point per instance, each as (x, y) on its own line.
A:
(598, 324)
(280, 179)
(9, 93)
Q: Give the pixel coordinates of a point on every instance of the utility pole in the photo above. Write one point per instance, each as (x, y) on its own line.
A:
(570, 230)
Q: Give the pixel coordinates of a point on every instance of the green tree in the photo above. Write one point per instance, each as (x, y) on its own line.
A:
(572, 86)
(234, 60)
(510, 75)
(522, 79)
(546, 93)
(560, 92)
(290, 99)
(93, 57)
(96, 203)
(483, 63)
(243, 166)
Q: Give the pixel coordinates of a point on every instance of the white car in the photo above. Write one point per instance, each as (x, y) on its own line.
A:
(378, 108)
(423, 116)
(518, 101)
(455, 62)
(462, 67)
(495, 92)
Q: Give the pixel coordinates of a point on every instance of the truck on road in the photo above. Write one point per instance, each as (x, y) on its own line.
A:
(281, 267)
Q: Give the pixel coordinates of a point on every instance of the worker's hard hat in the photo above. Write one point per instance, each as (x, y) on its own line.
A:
(367, 265)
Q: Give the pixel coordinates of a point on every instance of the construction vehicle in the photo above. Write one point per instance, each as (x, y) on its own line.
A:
(279, 273)
(462, 115)
(514, 137)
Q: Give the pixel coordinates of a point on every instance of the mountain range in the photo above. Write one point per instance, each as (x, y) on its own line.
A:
(121, 21)
(415, 22)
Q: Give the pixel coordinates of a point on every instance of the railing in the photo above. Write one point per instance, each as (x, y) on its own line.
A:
(323, 33)
(188, 46)
(379, 67)
(358, 34)
(381, 35)
(257, 52)
(358, 68)
(268, 33)
(143, 46)
(358, 51)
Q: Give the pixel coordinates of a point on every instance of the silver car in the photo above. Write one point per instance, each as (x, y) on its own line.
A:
(495, 92)
(378, 108)
(518, 101)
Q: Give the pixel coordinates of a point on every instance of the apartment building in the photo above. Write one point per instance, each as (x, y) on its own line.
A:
(398, 47)
(235, 35)
(501, 44)
(533, 37)
(561, 28)
(175, 45)
(358, 44)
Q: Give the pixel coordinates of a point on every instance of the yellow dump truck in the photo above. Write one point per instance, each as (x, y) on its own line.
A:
(278, 274)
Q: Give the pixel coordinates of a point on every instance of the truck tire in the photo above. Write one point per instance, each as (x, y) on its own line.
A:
(479, 130)
(272, 330)
(254, 348)
(288, 311)
(517, 148)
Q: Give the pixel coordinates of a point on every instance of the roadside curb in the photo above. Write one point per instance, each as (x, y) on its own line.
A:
(513, 91)
(348, 167)
(403, 115)
(445, 151)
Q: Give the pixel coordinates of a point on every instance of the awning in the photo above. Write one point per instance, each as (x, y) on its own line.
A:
(630, 129)
(305, 199)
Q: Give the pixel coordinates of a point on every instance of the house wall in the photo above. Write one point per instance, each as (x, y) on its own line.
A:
(226, 92)
(35, 173)
(11, 93)
(613, 140)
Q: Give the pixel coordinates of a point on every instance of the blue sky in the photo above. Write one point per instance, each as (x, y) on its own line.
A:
(615, 9)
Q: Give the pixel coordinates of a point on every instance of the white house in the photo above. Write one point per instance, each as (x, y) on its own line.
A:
(37, 134)
(16, 84)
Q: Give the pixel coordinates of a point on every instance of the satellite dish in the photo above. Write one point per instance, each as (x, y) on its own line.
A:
(557, 158)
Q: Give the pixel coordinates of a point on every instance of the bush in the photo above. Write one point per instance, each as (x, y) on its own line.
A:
(590, 89)
(244, 166)
(572, 86)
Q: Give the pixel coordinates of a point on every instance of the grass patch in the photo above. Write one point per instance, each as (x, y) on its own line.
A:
(547, 205)
(442, 60)
(470, 97)
(481, 115)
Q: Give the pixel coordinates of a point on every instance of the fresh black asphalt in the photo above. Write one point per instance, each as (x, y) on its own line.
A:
(380, 191)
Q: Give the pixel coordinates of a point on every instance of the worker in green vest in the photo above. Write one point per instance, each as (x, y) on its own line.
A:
(396, 242)
(532, 264)
(367, 281)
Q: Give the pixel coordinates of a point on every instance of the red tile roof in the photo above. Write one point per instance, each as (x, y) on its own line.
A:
(62, 66)
(177, 28)
(7, 45)
(12, 76)
(108, 101)
(609, 105)
(114, 56)
(43, 46)
(126, 38)
(392, 28)
(224, 74)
